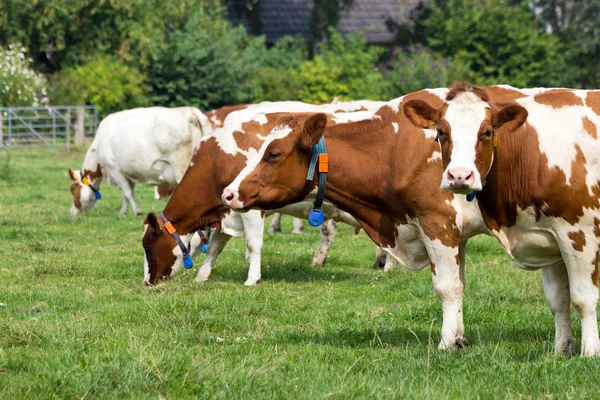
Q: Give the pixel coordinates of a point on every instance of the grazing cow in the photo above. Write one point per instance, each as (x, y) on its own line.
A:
(533, 164)
(145, 145)
(196, 202)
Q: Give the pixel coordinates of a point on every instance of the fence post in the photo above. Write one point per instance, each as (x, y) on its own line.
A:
(79, 127)
(68, 130)
(1, 128)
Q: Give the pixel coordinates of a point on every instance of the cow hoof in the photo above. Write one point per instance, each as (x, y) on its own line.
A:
(458, 343)
(378, 264)
(139, 213)
(565, 348)
(272, 230)
(298, 231)
(202, 276)
(252, 282)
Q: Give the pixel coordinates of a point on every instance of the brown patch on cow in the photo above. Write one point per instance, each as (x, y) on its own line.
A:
(462, 87)
(93, 175)
(363, 108)
(558, 98)
(597, 227)
(592, 100)
(164, 191)
(76, 191)
(433, 269)
(92, 150)
(457, 259)
(589, 127)
(503, 95)
(578, 239)
(217, 117)
(595, 271)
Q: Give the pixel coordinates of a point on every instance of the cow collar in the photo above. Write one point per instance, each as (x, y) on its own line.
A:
(471, 195)
(187, 258)
(316, 217)
(86, 182)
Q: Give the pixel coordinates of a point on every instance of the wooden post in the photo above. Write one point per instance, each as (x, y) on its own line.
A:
(1, 128)
(68, 130)
(79, 127)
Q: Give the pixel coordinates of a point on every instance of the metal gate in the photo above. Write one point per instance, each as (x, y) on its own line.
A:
(47, 126)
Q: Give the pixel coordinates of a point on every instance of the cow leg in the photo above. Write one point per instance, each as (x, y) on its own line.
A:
(390, 263)
(275, 224)
(156, 194)
(328, 231)
(218, 240)
(556, 289)
(126, 187)
(448, 283)
(582, 268)
(254, 225)
(380, 258)
(298, 226)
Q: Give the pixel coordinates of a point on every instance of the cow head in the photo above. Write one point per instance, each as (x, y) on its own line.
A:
(468, 130)
(162, 256)
(84, 197)
(276, 176)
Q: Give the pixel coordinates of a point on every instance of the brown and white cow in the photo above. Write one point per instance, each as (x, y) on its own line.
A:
(534, 164)
(196, 202)
(385, 172)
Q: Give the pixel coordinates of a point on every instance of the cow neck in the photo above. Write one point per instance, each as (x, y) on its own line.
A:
(372, 170)
(196, 202)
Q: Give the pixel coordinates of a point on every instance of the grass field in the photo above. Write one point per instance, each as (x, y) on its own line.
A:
(76, 322)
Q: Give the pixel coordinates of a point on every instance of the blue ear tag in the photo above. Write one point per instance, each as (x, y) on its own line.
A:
(316, 217)
(187, 262)
(470, 196)
(97, 195)
(204, 247)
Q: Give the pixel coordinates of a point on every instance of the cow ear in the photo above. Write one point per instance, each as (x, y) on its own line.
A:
(73, 175)
(511, 116)
(421, 114)
(313, 129)
(154, 222)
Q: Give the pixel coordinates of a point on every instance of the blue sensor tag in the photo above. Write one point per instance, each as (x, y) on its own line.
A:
(470, 196)
(187, 262)
(97, 195)
(204, 247)
(316, 217)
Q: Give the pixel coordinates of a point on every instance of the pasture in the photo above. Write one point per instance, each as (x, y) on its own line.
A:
(76, 322)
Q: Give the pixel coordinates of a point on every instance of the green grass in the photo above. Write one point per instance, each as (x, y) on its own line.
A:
(75, 321)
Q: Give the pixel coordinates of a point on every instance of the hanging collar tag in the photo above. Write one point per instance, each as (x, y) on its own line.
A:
(470, 197)
(187, 258)
(319, 159)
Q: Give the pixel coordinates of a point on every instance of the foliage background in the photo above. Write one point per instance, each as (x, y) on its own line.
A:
(125, 53)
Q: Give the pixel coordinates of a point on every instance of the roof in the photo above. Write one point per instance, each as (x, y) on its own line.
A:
(292, 17)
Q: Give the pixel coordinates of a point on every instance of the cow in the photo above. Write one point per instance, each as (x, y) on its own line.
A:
(196, 202)
(144, 145)
(533, 165)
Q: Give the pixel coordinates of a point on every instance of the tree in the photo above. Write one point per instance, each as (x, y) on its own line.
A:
(207, 64)
(21, 85)
(500, 41)
(577, 24)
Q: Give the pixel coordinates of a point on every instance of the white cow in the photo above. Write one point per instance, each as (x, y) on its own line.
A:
(149, 146)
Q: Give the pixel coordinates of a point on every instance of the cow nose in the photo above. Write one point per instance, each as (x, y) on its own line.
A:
(461, 177)
(227, 196)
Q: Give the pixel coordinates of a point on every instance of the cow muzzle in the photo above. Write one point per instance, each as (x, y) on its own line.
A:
(460, 180)
(231, 199)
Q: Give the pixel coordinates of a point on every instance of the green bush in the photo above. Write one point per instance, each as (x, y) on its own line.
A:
(417, 68)
(498, 40)
(104, 82)
(345, 67)
(20, 85)
(207, 64)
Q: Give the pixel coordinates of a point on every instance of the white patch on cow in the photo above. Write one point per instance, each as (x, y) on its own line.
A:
(465, 113)
(395, 125)
(277, 133)
(437, 155)
(344, 118)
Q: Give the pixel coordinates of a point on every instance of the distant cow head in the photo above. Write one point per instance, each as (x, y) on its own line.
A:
(276, 176)
(84, 196)
(467, 128)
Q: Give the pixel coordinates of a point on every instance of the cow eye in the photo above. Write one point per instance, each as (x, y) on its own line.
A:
(486, 135)
(273, 156)
(441, 136)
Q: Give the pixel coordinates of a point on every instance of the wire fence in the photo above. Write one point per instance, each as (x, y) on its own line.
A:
(47, 126)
